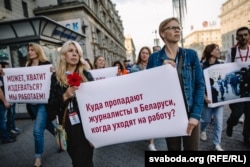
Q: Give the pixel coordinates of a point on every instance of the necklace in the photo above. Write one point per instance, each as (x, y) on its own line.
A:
(241, 57)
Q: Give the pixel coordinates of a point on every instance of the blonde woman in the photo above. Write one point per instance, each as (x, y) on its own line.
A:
(62, 98)
(36, 57)
(187, 65)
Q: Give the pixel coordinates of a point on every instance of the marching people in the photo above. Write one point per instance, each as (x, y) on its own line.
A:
(121, 68)
(240, 53)
(190, 74)
(99, 62)
(211, 55)
(63, 102)
(156, 48)
(37, 57)
(142, 60)
(11, 113)
(4, 106)
(127, 65)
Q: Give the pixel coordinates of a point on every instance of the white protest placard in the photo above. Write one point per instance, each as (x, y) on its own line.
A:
(143, 105)
(27, 84)
(104, 73)
(227, 81)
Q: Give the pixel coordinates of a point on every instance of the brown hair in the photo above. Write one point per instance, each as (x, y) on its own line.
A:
(139, 55)
(206, 55)
(95, 60)
(242, 29)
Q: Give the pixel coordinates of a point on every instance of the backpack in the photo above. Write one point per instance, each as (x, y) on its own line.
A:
(233, 53)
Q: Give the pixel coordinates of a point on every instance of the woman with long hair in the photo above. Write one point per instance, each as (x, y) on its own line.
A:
(63, 102)
(121, 68)
(37, 57)
(142, 60)
(99, 62)
(210, 55)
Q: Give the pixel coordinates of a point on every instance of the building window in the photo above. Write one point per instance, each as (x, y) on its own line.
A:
(25, 9)
(7, 4)
(95, 7)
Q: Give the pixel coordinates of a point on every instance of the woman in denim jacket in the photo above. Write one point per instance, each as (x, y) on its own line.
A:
(191, 80)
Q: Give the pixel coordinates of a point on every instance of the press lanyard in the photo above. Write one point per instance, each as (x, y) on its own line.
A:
(178, 56)
(241, 57)
(70, 106)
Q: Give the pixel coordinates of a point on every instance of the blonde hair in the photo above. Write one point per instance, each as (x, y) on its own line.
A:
(62, 64)
(164, 23)
(39, 51)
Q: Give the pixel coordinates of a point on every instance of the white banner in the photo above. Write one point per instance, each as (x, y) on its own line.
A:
(227, 81)
(104, 73)
(27, 84)
(143, 105)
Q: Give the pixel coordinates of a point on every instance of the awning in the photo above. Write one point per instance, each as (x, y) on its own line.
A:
(36, 28)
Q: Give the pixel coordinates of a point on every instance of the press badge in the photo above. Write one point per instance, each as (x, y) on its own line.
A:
(74, 119)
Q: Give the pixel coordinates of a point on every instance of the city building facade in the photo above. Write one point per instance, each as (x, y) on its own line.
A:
(198, 39)
(234, 14)
(130, 49)
(95, 22)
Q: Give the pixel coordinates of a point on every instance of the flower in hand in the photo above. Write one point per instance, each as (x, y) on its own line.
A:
(74, 79)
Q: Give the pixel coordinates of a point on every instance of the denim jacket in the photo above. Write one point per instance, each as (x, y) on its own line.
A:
(135, 68)
(192, 77)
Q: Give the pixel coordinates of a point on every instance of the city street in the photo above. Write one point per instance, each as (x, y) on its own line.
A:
(20, 153)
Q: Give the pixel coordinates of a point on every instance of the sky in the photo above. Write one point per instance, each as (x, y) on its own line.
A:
(140, 18)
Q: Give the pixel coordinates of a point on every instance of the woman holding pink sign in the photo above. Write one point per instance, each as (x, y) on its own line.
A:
(36, 57)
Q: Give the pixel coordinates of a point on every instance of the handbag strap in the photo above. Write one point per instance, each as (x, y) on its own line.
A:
(64, 117)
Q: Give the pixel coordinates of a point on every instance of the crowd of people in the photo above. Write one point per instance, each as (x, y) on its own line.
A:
(63, 103)
(8, 129)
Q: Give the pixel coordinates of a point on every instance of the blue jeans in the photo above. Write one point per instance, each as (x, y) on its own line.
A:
(217, 112)
(3, 130)
(11, 113)
(41, 123)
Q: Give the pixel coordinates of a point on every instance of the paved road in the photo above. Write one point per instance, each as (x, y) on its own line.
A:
(20, 153)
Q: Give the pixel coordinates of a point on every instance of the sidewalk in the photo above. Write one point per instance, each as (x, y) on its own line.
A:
(20, 153)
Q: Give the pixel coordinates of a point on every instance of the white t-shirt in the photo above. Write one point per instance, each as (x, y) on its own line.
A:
(241, 55)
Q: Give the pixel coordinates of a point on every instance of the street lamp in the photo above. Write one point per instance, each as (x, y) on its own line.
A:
(179, 6)
(156, 40)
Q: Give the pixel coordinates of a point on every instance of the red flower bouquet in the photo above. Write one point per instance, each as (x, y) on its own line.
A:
(74, 79)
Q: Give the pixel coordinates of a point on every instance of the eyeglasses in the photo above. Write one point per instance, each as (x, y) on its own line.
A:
(173, 28)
